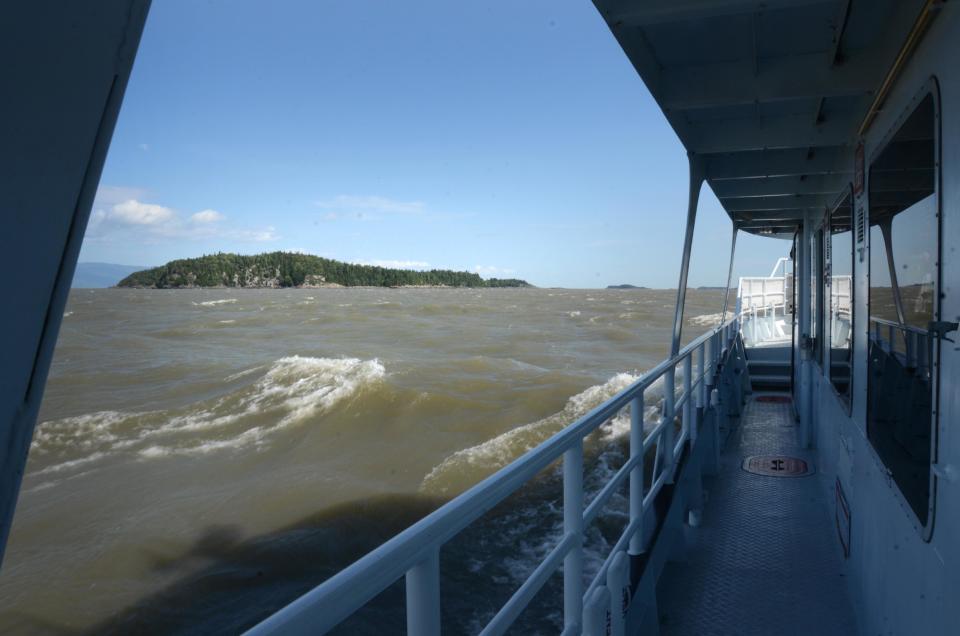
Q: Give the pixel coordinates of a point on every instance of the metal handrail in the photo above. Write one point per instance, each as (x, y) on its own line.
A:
(896, 325)
(414, 553)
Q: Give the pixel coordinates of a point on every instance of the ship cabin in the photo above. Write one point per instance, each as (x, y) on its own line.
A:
(801, 473)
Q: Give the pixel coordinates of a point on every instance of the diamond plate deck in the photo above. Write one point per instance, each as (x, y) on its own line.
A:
(766, 559)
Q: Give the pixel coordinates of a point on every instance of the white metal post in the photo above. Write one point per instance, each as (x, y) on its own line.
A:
(423, 596)
(573, 524)
(696, 181)
(689, 422)
(669, 388)
(636, 475)
(702, 371)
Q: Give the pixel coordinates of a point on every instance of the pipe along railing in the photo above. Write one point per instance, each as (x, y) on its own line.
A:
(415, 552)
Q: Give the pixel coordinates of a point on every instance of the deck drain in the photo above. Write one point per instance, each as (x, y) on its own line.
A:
(776, 466)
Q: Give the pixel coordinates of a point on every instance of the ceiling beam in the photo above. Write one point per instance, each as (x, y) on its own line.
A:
(760, 133)
(779, 186)
(776, 79)
(836, 50)
(779, 163)
(768, 204)
(650, 12)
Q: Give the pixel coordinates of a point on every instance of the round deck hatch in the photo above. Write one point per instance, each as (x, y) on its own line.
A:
(777, 466)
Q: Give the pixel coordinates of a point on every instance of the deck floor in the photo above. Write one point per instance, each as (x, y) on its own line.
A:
(766, 559)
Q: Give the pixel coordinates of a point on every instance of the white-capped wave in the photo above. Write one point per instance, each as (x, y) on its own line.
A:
(214, 303)
(706, 320)
(469, 465)
(293, 390)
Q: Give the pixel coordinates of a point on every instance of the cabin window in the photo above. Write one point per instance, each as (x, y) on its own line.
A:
(904, 283)
(840, 309)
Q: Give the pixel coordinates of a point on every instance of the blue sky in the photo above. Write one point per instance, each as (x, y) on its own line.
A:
(512, 138)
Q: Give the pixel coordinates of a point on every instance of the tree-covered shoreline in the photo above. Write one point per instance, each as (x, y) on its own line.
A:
(288, 269)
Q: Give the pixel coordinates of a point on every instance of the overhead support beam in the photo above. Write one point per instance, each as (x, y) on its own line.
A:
(766, 204)
(778, 79)
(836, 51)
(696, 183)
(779, 163)
(789, 131)
(778, 186)
(663, 11)
(726, 288)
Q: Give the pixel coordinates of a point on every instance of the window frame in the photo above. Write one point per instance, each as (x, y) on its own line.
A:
(847, 399)
(817, 281)
(931, 88)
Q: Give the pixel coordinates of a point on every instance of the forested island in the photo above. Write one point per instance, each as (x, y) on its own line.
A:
(288, 269)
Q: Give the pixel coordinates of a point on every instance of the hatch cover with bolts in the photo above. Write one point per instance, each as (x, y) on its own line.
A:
(777, 466)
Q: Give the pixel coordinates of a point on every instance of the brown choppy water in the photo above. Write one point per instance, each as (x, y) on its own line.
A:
(205, 456)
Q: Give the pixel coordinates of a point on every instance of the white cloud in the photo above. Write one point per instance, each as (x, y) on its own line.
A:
(119, 213)
(492, 270)
(256, 236)
(362, 207)
(207, 216)
(139, 213)
(108, 196)
(394, 264)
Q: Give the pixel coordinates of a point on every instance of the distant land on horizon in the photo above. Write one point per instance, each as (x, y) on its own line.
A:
(99, 275)
(626, 286)
(288, 269)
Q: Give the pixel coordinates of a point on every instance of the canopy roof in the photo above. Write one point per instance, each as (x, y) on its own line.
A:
(771, 94)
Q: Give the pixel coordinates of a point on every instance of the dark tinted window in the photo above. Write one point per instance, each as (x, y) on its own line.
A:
(904, 248)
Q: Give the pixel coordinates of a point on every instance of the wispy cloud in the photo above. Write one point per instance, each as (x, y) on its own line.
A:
(207, 216)
(393, 264)
(492, 270)
(346, 206)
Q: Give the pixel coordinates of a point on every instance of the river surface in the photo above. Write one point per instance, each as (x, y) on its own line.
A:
(205, 456)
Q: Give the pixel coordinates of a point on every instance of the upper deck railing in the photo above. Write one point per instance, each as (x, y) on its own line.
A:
(415, 552)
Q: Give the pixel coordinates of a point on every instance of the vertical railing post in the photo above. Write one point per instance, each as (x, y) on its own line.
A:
(573, 524)
(423, 596)
(702, 372)
(636, 475)
(637, 546)
(689, 422)
(911, 338)
(669, 390)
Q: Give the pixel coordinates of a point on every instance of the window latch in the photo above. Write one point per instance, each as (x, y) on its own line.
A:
(940, 329)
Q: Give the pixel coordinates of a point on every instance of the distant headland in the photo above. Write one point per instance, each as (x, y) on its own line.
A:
(625, 286)
(289, 269)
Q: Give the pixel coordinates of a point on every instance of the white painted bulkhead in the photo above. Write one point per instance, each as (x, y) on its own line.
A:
(900, 582)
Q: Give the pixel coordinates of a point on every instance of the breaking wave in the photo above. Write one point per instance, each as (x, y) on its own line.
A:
(468, 466)
(706, 320)
(214, 303)
(293, 390)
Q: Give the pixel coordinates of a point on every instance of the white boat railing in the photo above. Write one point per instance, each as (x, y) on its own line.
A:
(917, 347)
(598, 609)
